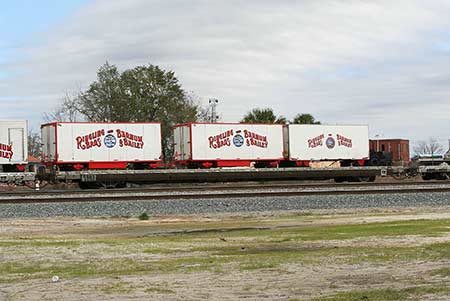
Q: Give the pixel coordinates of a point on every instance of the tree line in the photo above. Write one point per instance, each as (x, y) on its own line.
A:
(142, 94)
(268, 116)
(151, 94)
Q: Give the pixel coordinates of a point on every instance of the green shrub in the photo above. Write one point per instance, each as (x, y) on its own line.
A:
(143, 216)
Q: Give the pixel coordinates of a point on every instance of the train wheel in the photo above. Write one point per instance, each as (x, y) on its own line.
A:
(399, 176)
(367, 179)
(102, 185)
(87, 185)
(340, 180)
(427, 176)
(111, 184)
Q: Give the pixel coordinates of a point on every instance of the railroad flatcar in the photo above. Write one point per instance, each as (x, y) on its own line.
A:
(228, 144)
(85, 145)
(13, 145)
(433, 166)
(235, 144)
(305, 143)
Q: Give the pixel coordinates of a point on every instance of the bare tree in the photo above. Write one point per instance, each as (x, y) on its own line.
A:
(203, 111)
(205, 114)
(34, 143)
(429, 147)
(67, 110)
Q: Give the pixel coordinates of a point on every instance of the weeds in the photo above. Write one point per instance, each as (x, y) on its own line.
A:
(143, 217)
(411, 293)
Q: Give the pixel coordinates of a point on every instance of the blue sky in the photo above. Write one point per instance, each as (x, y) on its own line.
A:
(383, 63)
(20, 20)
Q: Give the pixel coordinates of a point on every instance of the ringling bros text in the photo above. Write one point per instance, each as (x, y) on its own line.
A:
(319, 141)
(109, 138)
(237, 138)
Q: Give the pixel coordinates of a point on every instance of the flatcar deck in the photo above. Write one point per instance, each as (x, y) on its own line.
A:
(218, 175)
(16, 177)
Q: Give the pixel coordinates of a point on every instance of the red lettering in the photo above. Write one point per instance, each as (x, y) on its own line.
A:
(6, 151)
(344, 141)
(316, 141)
(254, 139)
(256, 142)
(90, 140)
(79, 141)
(129, 139)
(220, 140)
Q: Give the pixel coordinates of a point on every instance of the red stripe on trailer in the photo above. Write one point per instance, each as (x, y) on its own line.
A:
(21, 167)
(161, 165)
(274, 163)
(97, 122)
(78, 166)
(226, 123)
(206, 164)
(107, 165)
(232, 163)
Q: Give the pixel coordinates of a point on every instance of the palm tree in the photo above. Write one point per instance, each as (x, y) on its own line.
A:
(305, 119)
(262, 116)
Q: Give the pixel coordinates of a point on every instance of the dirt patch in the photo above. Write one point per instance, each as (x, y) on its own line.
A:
(188, 262)
(287, 282)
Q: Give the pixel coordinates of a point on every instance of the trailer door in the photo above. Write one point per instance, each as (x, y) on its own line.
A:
(16, 138)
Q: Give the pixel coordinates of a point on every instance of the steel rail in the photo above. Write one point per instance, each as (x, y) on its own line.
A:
(242, 194)
(222, 187)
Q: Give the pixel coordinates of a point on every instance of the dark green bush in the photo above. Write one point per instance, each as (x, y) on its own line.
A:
(143, 216)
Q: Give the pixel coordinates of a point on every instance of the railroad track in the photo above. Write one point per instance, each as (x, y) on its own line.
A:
(221, 191)
(223, 186)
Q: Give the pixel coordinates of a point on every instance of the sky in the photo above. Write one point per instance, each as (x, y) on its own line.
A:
(381, 63)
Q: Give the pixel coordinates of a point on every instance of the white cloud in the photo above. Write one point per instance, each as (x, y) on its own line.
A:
(375, 62)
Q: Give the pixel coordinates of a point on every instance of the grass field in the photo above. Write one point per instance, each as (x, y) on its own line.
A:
(314, 256)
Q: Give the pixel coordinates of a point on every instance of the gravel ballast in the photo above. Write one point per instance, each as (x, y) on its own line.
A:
(225, 205)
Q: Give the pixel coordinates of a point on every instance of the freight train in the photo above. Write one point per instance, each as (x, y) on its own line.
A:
(269, 145)
(83, 146)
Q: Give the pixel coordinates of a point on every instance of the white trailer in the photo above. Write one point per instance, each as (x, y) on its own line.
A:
(228, 144)
(13, 145)
(81, 145)
(306, 142)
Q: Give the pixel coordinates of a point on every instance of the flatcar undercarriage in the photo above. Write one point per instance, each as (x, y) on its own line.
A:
(122, 178)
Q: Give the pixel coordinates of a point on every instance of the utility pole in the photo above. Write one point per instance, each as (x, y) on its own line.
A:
(213, 102)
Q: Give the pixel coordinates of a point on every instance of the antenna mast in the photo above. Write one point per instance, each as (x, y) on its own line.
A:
(213, 102)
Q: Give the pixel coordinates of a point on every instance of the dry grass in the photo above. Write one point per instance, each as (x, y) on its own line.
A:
(296, 256)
